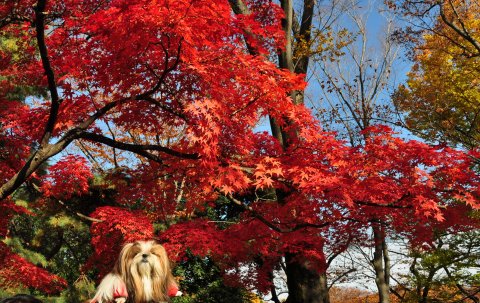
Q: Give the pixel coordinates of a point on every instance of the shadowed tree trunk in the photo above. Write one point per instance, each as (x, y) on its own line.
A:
(305, 285)
(324, 294)
(381, 263)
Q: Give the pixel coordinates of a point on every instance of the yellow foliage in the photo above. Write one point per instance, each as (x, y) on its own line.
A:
(256, 300)
(323, 45)
(442, 95)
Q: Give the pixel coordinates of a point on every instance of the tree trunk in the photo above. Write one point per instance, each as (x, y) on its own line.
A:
(32, 164)
(305, 285)
(386, 260)
(324, 295)
(381, 272)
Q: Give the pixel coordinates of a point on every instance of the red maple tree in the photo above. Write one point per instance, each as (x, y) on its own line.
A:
(194, 80)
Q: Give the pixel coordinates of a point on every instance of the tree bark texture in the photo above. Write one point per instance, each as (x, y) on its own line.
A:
(379, 260)
(305, 285)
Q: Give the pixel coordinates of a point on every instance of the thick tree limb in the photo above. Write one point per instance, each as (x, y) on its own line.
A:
(389, 205)
(49, 150)
(82, 216)
(285, 59)
(52, 86)
(305, 34)
(239, 8)
(135, 148)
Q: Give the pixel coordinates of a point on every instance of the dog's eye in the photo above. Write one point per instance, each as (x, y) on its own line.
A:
(158, 252)
(135, 250)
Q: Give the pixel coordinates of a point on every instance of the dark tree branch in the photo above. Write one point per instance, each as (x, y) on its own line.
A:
(239, 8)
(135, 148)
(13, 19)
(271, 225)
(305, 34)
(467, 294)
(273, 289)
(246, 105)
(166, 70)
(165, 108)
(67, 208)
(461, 32)
(396, 293)
(390, 205)
(50, 150)
(52, 86)
(344, 274)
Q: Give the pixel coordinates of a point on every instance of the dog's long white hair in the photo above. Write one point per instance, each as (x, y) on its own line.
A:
(144, 268)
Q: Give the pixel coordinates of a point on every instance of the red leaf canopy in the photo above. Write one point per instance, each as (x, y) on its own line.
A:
(174, 82)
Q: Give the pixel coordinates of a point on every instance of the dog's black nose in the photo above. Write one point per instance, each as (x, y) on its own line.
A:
(144, 256)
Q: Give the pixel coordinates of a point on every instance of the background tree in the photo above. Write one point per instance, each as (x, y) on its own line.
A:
(440, 100)
(440, 97)
(443, 270)
(354, 89)
(354, 82)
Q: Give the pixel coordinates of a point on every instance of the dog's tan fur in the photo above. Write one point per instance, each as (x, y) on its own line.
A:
(145, 269)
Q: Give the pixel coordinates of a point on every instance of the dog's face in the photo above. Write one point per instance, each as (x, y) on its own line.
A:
(147, 258)
(145, 268)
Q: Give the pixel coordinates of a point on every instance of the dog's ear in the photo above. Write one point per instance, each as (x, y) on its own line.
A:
(162, 276)
(121, 266)
(161, 253)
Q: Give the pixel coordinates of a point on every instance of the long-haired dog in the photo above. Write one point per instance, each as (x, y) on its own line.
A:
(141, 274)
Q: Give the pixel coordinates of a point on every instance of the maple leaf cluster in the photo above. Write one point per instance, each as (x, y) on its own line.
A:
(13, 147)
(118, 227)
(333, 194)
(16, 271)
(68, 177)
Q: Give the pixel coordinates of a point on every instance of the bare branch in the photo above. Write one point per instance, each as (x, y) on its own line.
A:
(344, 274)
